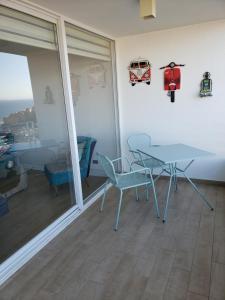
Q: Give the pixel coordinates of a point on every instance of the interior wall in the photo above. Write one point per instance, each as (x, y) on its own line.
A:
(192, 120)
(94, 108)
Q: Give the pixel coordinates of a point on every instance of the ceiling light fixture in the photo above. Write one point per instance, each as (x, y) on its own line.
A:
(148, 8)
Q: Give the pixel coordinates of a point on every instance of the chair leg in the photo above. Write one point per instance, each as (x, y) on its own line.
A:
(167, 198)
(136, 190)
(147, 193)
(103, 199)
(56, 190)
(155, 197)
(118, 211)
(86, 182)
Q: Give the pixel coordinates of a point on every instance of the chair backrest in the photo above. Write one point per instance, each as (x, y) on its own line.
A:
(108, 167)
(85, 162)
(138, 140)
(36, 159)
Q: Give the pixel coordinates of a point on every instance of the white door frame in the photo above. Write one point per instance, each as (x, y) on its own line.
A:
(69, 109)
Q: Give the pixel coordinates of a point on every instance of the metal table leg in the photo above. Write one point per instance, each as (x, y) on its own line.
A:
(171, 168)
(200, 194)
(173, 179)
(194, 186)
(175, 176)
(21, 186)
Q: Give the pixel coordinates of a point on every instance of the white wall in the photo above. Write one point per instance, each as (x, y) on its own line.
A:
(191, 119)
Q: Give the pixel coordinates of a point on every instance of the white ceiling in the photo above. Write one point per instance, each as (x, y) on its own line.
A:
(121, 17)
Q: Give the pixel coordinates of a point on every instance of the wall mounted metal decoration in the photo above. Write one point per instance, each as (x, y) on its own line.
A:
(206, 85)
(139, 71)
(172, 79)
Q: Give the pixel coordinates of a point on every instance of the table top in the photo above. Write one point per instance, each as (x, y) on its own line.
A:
(174, 153)
(25, 146)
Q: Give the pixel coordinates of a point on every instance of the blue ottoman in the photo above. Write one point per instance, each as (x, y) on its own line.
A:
(58, 173)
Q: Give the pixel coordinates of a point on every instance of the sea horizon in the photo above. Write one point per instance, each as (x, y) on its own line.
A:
(8, 107)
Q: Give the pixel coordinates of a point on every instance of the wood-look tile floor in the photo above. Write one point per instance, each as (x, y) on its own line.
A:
(183, 259)
(33, 209)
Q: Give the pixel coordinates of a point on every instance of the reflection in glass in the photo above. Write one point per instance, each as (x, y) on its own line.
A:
(17, 115)
(92, 88)
(36, 179)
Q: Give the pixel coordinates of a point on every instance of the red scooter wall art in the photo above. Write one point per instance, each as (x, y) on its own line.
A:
(172, 78)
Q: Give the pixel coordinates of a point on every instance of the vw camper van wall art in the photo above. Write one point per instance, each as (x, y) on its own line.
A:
(139, 71)
(206, 85)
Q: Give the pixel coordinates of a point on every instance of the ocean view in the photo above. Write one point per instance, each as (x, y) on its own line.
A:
(8, 107)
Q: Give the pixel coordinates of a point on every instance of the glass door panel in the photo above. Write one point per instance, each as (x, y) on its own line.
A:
(92, 89)
(36, 179)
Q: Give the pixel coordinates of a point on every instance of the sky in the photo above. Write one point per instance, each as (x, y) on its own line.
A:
(15, 83)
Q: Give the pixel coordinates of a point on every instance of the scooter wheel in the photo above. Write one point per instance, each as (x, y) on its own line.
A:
(148, 82)
(133, 84)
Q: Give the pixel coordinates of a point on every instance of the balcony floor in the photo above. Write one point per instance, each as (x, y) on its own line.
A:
(32, 210)
(145, 259)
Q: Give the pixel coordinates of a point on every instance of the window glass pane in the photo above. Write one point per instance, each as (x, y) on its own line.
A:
(36, 179)
(83, 43)
(134, 65)
(92, 89)
(28, 30)
(143, 64)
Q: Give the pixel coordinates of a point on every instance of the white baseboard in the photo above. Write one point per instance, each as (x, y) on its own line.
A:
(24, 254)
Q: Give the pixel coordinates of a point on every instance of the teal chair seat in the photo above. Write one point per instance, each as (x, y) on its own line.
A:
(124, 181)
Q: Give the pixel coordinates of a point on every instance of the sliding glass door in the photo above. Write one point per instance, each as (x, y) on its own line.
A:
(36, 178)
(37, 181)
(90, 63)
